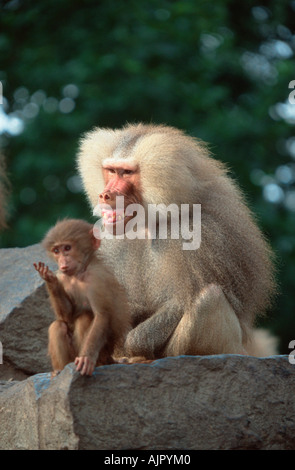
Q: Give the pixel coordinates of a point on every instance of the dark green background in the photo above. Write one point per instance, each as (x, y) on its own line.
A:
(218, 69)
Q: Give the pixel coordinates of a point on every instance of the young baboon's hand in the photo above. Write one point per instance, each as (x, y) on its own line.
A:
(85, 365)
(45, 272)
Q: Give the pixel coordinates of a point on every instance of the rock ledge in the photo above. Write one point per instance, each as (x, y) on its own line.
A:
(185, 402)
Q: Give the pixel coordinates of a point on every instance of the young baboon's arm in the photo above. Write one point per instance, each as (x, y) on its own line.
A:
(59, 299)
(92, 345)
(95, 338)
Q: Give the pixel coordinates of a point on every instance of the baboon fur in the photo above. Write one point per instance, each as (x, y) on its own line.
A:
(164, 282)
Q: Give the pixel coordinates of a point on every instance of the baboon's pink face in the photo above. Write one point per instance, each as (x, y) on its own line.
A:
(120, 180)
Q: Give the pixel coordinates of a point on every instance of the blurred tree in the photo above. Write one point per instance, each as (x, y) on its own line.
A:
(219, 70)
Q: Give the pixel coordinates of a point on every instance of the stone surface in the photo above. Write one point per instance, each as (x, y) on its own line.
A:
(186, 402)
(25, 313)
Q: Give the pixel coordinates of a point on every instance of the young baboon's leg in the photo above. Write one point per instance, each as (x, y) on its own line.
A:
(59, 346)
(210, 327)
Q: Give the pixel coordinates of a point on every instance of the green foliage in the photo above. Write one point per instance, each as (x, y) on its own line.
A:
(215, 69)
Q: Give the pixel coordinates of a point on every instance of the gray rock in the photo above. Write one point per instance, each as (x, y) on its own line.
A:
(181, 403)
(25, 312)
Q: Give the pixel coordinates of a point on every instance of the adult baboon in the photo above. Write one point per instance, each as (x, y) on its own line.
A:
(200, 301)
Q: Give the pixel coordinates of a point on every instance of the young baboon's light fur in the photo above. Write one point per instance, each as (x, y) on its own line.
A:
(91, 309)
(183, 302)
